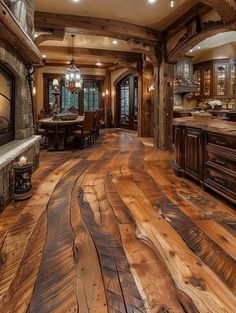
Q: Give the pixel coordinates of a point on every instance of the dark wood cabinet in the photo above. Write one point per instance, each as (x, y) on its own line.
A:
(207, 156)
(193, 152)
(216, 79)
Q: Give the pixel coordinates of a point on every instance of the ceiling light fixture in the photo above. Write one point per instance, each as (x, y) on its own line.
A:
(115, 42)
(151, 1)
(44, 56)
(73, 79)
(99, 64)
(172, 4)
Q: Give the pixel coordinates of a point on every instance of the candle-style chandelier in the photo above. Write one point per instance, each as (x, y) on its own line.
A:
(73, 79)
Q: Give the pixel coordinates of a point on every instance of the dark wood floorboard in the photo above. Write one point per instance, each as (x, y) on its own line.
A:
(111, 229)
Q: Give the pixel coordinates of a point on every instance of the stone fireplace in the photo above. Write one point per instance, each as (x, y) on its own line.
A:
(16, 110)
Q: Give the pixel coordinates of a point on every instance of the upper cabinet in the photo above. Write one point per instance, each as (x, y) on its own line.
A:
(216, 79)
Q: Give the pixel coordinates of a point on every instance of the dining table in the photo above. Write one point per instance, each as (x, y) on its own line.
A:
(58, 131)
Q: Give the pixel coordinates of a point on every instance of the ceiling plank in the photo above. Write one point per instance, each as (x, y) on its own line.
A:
(123, 55)
(45, 21)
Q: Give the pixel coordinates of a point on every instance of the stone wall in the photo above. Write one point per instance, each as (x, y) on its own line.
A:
(23, 11)
(23, 109)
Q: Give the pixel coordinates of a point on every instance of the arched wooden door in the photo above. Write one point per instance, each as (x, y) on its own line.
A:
(127, 103)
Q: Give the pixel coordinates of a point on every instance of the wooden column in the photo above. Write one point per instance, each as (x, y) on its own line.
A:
(163, 105)
(146, 118)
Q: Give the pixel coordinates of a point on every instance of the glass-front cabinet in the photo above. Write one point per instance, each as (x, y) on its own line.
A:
(216, 78)
(207, 81)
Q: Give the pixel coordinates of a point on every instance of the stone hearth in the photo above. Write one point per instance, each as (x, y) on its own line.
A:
(15, 61)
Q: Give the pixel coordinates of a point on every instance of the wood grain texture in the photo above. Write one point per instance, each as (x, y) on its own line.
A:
(111, 229)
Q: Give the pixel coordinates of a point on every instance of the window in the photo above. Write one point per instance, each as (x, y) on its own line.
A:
(89, 99)
(127, 89)
(92, 96)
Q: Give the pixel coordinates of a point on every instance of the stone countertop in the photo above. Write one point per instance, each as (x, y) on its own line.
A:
(212, 124)
(15, 148)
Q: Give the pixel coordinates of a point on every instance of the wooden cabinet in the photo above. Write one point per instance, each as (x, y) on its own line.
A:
(206, 156)
(193, 152)
(216, 79)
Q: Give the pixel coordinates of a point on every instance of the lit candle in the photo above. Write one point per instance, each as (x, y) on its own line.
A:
(23, 161)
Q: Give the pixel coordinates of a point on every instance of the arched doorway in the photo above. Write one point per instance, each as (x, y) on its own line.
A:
(127, 103)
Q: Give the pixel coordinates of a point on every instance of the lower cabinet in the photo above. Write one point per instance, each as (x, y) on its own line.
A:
(209, 158)
(193, 153)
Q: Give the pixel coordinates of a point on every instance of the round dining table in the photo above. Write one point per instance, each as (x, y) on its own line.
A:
(58, 131)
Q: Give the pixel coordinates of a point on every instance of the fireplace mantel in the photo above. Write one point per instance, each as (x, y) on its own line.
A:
(12, 33)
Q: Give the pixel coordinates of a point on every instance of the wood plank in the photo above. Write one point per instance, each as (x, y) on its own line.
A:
(89, 283)
(55, 286)
(188, 272)
(94, 26)
(16, 241)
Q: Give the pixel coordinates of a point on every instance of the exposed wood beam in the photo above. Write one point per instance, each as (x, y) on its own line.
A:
(59, 63)
(92, 52)
(199, 9)
(55, 34)
(94, 26)
(225, 8)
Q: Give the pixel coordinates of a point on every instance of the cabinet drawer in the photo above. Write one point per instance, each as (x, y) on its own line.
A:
(222, 161)
(223, 141)
(225, 184)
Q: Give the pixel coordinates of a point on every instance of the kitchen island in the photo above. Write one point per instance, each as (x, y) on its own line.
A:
(205, 150)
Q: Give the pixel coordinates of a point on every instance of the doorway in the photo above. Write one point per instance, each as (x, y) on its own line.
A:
(127, 103)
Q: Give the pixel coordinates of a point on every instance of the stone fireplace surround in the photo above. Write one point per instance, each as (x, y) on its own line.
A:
(25, 143)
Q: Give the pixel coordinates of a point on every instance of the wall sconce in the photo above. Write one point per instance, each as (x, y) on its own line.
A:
(103, 94)
(151, 87)
(107, 92)
(34, 90)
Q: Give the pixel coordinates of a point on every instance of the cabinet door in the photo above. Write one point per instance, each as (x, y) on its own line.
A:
(193, 153)
(232, 78)
(178, 148)
(220, 74)
(207, 80)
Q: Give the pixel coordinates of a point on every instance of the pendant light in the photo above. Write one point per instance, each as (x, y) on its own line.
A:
(73, 79)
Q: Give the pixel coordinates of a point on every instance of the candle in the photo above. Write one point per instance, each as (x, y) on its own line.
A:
(23, 161)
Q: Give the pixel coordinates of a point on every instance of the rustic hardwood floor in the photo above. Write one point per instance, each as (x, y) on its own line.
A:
(111, 229)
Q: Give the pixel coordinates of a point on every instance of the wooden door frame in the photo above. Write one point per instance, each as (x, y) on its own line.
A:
(117, 82)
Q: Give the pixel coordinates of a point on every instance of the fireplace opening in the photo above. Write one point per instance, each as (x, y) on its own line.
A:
(7, 105)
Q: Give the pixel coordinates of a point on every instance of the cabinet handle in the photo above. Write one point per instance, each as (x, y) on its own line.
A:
(219, 181)
(218, 142)
(221, 162)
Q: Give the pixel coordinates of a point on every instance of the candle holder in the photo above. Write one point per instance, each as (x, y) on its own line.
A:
(22, 180)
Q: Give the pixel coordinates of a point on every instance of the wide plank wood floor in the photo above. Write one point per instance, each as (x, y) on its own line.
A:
(111, 229)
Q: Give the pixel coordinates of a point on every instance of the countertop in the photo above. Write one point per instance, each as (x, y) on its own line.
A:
(212, 124)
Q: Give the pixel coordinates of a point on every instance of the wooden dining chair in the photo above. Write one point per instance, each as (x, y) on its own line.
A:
(85, 131)
(97, 122)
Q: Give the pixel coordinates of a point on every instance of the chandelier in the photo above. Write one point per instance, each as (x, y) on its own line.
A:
(73, 79)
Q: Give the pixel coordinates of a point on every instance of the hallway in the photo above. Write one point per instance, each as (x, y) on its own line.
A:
(111, 229)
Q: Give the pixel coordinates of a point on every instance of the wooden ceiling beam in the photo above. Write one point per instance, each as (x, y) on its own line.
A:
(123, 55)
(199, 9)
(60, 63)
(55, 34)
(45, 21)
